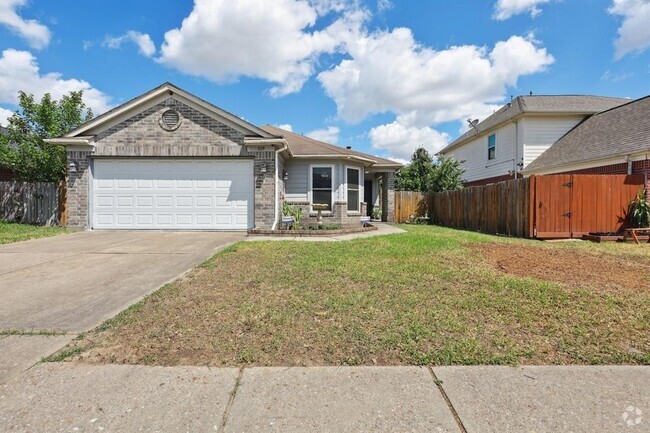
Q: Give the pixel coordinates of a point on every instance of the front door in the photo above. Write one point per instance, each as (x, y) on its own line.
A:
(367, 196)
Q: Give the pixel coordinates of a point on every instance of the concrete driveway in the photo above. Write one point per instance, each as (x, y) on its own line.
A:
(74, 282)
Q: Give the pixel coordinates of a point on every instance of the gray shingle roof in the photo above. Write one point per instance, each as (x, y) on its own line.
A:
(300, 145)
(577, 104)
(619, 131)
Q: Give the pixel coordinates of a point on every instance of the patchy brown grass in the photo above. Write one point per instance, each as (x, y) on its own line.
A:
(431, 296)
(576, 268)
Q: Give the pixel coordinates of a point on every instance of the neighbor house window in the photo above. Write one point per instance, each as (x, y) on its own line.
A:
(353, 175)
(321, 186)
(492, 146)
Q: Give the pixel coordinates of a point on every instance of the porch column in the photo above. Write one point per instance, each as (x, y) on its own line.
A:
(388, 197)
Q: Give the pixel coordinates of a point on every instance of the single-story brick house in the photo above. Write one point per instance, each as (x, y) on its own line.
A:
(170, 160)
(615, 141)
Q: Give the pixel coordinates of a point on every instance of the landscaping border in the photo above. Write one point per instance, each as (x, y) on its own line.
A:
(307, 233)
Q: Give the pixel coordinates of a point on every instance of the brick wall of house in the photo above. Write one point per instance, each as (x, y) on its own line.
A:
(264, 186)
(339, 216)
(388, 197)
(489, 180)
(638, 167)
(77, 189)
(197, 135)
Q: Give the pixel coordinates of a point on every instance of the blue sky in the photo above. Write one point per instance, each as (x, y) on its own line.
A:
(382, 76)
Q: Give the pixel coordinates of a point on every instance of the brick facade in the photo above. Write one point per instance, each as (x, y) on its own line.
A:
(197, 135)
(264, 187)
(339, 216)
(77, 189)
(489, 180)
(388, 197)
(638, 167)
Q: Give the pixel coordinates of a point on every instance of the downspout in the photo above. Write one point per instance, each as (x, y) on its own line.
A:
(514, 168)
(277, 184)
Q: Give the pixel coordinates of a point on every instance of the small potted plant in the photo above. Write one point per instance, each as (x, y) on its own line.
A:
(640, 210)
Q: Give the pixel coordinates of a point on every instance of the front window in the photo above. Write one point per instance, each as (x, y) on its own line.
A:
(353, 189)
(492, 146)
(321, 186)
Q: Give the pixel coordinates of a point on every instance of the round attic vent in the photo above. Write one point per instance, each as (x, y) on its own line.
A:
(170, 120)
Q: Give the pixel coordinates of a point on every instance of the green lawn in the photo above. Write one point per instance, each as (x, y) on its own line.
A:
(14, 232)
(430, 296)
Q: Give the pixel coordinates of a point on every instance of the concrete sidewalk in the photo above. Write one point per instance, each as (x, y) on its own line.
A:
(118, 398)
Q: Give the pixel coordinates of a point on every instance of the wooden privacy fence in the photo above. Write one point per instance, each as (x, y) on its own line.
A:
(30, 202)
(409, 203)
(500, 208)
(553, 206)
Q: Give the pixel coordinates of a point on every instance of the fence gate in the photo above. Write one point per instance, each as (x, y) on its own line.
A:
(553, 206)
(569, 205)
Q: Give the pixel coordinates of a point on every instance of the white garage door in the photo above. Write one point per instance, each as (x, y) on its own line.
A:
(185, 194)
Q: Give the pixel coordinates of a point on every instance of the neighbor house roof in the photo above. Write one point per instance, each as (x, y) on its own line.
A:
(624, 130)
(301, 146)
(542, 104)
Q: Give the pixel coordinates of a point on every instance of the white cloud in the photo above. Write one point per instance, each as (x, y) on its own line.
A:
(505, 9)
(328, 135)
(145, 45)
(614, 77)
(19, 71)
(223, 40)
(634, 32)
(390, 72)
(384, 5)
(399, 141)
(286, 127)
(37, 35)
(4, 115)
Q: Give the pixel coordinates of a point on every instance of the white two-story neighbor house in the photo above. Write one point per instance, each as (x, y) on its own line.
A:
(502, 145)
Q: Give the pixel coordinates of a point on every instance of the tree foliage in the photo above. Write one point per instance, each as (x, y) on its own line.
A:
(22, 148)
(414, 176)
(425, 174)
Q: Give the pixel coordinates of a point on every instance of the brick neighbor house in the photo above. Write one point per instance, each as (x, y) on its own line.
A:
(170, 160)
(616, 141)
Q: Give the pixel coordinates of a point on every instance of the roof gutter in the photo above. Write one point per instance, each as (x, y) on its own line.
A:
(70, 141)
(359, 158)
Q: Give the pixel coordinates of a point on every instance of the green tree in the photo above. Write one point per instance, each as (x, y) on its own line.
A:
(446, 174)
(22, 148)
(425, 174)
(414, 176)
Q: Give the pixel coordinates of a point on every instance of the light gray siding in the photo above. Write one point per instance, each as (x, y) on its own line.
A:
(541, 132)
(297, 185)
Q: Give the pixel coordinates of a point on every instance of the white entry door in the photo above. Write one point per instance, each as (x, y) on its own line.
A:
(179, 194)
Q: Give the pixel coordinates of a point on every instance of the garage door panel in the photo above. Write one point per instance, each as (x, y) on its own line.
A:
(181, 194)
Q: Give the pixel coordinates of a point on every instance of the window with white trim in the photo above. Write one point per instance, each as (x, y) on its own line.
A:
(322, 186)
(492, 146)
(354, 190)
